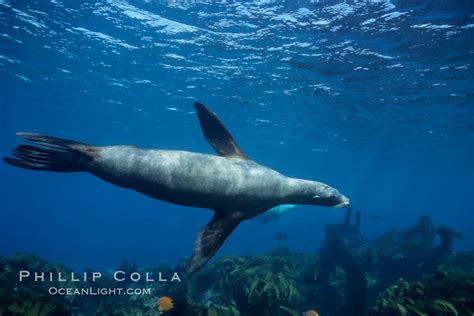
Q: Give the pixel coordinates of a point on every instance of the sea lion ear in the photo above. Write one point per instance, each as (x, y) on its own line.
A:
(211, 238)
(216, 134)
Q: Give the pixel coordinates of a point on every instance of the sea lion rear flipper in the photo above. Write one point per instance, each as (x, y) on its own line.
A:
(51, 154)
(211, 238)
(216, 134)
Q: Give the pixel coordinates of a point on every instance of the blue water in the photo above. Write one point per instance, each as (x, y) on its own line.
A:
(374, 98)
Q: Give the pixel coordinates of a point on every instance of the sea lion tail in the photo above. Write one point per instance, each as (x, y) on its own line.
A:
(51, 154)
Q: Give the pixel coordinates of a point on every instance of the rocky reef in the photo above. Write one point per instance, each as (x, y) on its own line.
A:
(400, 273)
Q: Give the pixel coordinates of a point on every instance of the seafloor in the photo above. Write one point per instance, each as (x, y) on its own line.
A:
(406, 272)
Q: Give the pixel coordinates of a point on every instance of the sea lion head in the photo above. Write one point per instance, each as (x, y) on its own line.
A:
(316, 193)
(330, 197)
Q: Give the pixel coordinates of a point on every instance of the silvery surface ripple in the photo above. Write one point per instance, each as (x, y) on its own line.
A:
(362, 72)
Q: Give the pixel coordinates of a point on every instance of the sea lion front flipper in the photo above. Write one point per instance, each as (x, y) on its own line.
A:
(216, 134)
(211, 238)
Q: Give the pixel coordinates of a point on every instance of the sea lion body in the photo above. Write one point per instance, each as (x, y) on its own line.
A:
(192, 179)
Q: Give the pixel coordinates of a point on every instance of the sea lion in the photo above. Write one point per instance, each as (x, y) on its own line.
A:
(232, 185)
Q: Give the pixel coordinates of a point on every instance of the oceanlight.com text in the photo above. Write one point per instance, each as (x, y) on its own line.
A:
(98, 291)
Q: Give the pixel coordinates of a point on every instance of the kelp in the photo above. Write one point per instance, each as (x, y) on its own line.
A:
(446, 292)
(29, 297)
(33, 298)
(258, 284)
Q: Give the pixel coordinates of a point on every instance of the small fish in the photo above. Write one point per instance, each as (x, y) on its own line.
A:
(280, 236)
(311, 313)
(376, 217)
(164, 304)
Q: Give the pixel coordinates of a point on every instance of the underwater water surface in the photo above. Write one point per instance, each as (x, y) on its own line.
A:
(374, 98)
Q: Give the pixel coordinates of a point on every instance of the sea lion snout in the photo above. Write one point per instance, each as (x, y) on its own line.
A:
(345, 202)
